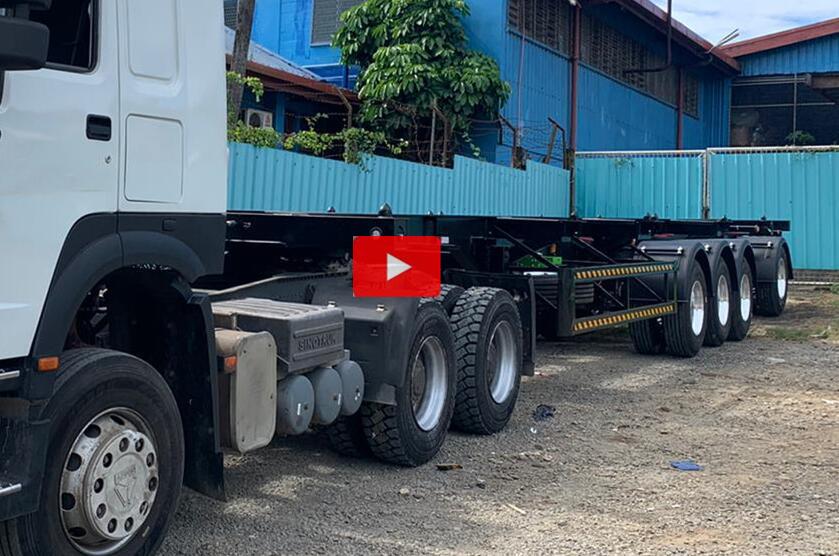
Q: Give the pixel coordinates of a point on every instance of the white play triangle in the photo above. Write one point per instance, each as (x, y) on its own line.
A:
(395, 267)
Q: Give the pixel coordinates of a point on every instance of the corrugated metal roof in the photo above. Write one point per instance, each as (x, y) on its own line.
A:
(648, 11)
(784, 38)
(814, 56)
(265, 57)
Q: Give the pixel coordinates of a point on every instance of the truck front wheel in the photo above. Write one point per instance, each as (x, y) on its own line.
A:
(114, 463)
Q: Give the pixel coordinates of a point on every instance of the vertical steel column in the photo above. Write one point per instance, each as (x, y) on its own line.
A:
(575, 84)
(680, 110)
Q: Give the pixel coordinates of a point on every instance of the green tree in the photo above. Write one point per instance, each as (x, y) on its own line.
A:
(413, 59)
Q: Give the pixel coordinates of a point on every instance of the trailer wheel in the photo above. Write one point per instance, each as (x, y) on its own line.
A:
(685, 331)
(114, 463)
(772, 296)
(449, 294)
(488, 337)
(721, 311)
(346, 437)
(412, 432)
(741, 320)
(648, 336)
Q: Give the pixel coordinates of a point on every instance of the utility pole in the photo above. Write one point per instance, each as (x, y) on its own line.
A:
(239, 63)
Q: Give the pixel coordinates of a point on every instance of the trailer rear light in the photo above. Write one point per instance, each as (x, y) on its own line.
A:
(48, 364)
(230, 364)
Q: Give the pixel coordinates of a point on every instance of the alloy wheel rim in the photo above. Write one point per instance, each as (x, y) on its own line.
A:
(109, 482)
(429, 386)
(697, 307)
(745, 298)
(501, 362)
(723, 300)
(782, 280)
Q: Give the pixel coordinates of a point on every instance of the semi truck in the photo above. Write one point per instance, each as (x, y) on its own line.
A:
(145, 330)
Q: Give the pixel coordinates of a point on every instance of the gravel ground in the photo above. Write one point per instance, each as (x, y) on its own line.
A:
(761, 417)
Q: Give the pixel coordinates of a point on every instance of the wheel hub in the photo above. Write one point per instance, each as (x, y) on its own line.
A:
(501, 362)
(697, 307)
(109, 482)
(782, 280)
(723, 300)
(429, 383)
(745, 298)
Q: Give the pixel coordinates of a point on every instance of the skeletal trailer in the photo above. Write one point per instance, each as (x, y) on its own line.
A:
(278, 345)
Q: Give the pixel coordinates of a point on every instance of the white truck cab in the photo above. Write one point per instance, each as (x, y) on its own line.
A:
(127, 117)
(113, 172)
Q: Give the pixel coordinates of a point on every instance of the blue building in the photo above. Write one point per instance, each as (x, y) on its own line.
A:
(292, 95)
(788, 92)
(585, 81)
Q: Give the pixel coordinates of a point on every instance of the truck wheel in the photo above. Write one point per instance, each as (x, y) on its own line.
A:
(741, 320)
(488, 338)
(449, 294)
(412, 432)
(721, 310)
(684, 332)
(647, 336)
(346, 436)
(772, 296)
(114, 463)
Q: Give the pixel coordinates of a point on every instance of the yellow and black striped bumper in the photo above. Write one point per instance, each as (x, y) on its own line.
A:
(591, 324)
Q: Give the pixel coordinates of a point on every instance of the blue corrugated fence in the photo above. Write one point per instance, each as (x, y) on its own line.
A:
(796, 184)
(800, 186)
(282, 181)
(632, 185)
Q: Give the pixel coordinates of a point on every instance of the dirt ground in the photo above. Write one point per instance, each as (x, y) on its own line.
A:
(761, 417)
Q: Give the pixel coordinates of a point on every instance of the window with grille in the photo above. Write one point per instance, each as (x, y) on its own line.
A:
(691, 100)
(544, 21)
(326, 18)
(231, 13)
(608, 50)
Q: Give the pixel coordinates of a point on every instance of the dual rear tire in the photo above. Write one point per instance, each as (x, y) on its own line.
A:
(463, 371)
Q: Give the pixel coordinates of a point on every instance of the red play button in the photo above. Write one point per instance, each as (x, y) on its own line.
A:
(396, 266)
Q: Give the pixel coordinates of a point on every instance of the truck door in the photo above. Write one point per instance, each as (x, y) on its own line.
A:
(172, 102)
(58, 157)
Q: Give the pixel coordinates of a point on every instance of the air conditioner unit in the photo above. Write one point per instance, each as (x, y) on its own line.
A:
(259, 118)
(231, 13)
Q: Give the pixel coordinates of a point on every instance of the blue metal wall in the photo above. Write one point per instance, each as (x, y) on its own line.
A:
(285, 27)
(282, 181)
(632, 186)
(815, 56)
(799, 186)
(612, 115)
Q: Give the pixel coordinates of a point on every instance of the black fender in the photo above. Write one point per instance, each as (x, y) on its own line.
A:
(377, 331)
(98, 245)
(159, 255)
(721, 249)
(744, 255)
(685, 253)
(767, 250)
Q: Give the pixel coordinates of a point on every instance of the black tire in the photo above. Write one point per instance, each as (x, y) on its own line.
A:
(771, 302)
(346, 437)
(92, 383)
(449, 294)
(479, 316)
(648, 336)
(393, 432)
(719, 325)
(740, 326)
(679, 336)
